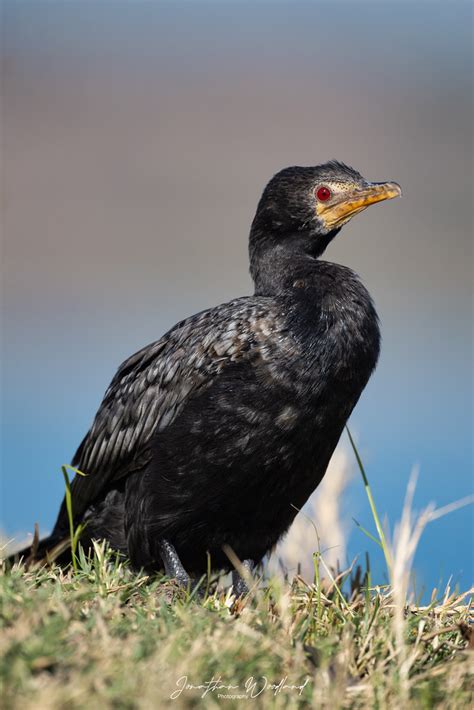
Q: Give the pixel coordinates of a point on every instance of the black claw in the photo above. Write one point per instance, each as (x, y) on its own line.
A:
(238, 582)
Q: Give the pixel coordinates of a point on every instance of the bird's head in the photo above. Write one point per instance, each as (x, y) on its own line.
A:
(308, 206)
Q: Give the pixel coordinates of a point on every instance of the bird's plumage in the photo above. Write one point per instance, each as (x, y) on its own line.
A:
(153, 385)
(217, 433)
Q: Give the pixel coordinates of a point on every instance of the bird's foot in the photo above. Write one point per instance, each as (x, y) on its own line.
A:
(175, 570)
(173, 565)
(238, 582)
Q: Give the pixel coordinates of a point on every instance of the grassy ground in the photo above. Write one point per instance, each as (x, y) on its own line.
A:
(103, 637)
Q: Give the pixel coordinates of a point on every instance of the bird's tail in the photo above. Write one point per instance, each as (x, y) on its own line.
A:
(53, 549)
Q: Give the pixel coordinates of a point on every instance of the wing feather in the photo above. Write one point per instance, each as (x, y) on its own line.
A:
(152, 386)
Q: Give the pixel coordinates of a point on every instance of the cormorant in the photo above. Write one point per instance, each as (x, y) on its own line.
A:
(216, 434)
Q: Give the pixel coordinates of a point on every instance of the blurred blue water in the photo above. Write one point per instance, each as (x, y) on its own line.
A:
(135, 131)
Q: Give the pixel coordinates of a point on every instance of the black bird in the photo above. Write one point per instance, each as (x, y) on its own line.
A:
(217, 433)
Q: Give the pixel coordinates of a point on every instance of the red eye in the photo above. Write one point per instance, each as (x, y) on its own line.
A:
(323, 193)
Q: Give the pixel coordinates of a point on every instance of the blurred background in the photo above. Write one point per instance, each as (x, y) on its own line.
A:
(137, 138)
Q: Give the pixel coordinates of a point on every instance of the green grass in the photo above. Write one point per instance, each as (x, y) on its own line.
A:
(98, 635)
(105, 637)
(74, 532)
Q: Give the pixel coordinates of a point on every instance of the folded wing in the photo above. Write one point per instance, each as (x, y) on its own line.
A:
(153, 386)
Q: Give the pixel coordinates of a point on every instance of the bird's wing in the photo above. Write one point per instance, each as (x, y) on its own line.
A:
(152, 387)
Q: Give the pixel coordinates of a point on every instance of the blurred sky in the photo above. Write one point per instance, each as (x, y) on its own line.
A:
(137, 137)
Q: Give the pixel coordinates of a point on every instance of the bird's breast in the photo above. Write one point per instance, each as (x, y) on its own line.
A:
(337, 341)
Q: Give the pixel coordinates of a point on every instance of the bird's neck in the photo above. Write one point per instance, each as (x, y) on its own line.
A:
(276, 262)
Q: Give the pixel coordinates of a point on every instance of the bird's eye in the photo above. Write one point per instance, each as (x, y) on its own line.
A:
(323, 193)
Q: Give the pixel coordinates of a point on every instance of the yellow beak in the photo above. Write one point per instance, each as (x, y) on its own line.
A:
(338, 213)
